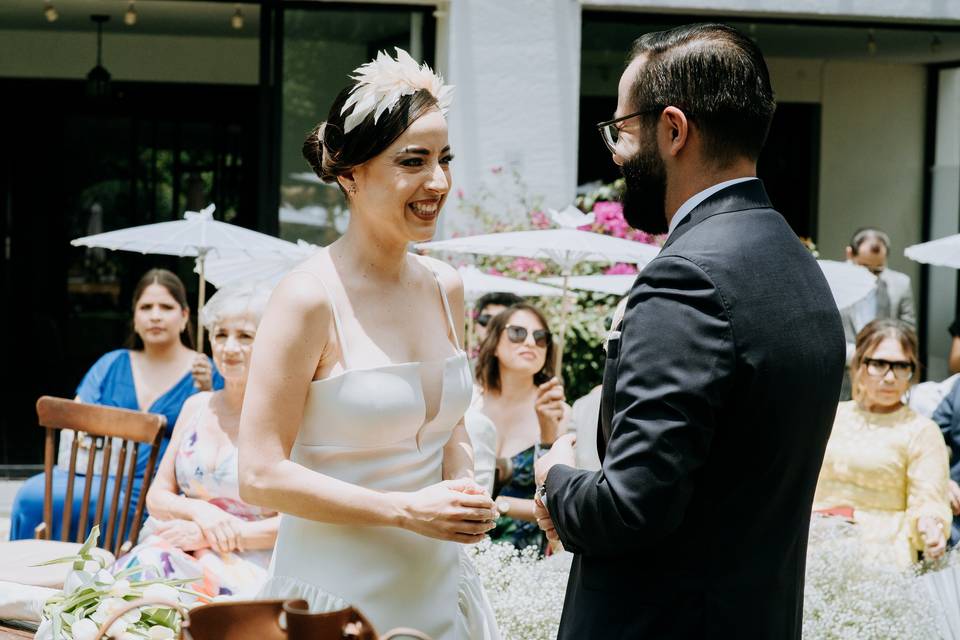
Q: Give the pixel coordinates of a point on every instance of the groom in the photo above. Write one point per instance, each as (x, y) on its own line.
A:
(719, 394)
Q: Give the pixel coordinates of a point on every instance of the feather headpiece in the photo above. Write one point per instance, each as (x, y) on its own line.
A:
(382, 82)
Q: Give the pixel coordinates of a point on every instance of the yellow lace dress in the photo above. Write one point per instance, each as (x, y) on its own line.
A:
(892, 469)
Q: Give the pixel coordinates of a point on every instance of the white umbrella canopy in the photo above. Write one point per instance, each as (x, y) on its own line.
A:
(197, 235)
(567, 246)
(476, 283)
(614, 284)
(849, 283)
(944, 252)
(263, 270)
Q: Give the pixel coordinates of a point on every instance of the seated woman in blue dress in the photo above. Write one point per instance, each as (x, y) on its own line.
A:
(157, 374)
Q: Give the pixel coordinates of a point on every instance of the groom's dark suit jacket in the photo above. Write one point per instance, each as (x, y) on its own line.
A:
(717, 403)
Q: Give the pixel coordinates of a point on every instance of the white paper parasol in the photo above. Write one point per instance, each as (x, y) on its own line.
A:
(264, 270)
(197, 235)
(614, 284)
(944, 252)
(476, 283)
(849, 283)
(566, 246)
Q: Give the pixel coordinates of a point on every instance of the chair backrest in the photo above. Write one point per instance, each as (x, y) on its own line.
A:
(102, 425)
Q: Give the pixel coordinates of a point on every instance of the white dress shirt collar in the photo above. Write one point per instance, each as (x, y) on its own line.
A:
(692, 203)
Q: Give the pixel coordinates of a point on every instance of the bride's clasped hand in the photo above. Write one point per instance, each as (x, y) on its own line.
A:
(456, 510)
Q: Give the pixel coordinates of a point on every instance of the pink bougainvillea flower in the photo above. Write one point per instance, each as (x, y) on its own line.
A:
(606, 208)
(621, 269)
(609, 219)
(527, 265)
(539, 219)
(494, 271)
(496, 170)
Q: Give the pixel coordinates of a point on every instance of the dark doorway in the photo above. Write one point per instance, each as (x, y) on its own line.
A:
(788, 166)
(790, 163)
(72, 167)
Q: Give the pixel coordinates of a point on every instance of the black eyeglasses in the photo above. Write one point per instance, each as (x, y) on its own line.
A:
(610, 132)
(515, 334)
(484, 319)
(902, 369)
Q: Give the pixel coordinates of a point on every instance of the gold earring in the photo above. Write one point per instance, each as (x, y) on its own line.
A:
(352, 189)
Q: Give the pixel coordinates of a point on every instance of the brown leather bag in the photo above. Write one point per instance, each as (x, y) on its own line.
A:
(270, 620)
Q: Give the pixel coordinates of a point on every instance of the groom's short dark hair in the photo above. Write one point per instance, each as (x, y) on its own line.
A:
(717, 77)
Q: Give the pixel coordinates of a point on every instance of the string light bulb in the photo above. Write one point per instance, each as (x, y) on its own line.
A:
(130, 17)
(871, 43)
(236, 20)
(50, 11)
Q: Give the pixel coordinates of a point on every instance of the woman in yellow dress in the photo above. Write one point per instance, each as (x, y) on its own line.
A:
(884, 461)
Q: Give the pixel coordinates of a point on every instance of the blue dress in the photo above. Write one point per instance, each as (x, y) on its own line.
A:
(522, 484)
(109, 382)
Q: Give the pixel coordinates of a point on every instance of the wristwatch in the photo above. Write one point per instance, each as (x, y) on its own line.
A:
(541, 495)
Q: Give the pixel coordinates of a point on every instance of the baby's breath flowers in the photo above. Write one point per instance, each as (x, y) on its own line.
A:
(526, 593)
(845, 597)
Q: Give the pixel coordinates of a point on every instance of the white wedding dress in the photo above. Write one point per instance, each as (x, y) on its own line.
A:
(368, 426)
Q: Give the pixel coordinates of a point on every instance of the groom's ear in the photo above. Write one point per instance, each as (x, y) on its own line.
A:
(678, 129)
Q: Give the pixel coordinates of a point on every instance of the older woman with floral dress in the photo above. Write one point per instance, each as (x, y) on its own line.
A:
(199, 527)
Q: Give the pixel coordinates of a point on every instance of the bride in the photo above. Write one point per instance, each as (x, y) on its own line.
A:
(352, 423)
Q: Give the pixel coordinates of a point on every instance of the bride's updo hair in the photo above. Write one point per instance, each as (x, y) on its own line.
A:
(332, 154)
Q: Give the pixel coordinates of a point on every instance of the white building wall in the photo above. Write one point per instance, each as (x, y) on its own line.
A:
(944, 221)
(516, 66)
(871, 159)
(132, 57)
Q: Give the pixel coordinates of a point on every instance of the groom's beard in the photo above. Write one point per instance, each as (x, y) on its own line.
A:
(644, 195)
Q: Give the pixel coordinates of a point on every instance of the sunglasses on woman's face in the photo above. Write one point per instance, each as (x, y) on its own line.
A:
(517, 335)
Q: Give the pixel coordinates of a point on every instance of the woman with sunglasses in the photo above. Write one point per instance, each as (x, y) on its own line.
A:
(487, 307)
(520, 394)
(885, 466)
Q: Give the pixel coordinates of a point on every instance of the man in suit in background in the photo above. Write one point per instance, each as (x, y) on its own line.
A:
(893, 297)
(720, 392)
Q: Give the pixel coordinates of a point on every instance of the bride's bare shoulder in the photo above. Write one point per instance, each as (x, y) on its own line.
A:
(448, 275)
(301, 292)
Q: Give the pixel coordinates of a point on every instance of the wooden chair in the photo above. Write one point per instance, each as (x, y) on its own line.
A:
(102, 425)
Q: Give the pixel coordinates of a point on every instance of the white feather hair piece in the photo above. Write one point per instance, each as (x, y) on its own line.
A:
(383, 81)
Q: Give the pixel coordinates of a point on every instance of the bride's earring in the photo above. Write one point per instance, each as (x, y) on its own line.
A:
(352, 189)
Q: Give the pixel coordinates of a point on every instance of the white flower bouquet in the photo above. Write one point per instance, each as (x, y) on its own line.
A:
(92, 594)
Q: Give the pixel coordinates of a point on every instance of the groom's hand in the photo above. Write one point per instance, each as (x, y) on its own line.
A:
(544, 521)
(560, 453)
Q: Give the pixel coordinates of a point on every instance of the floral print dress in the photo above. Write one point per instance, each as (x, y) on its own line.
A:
(522, 484)
(203, 476)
